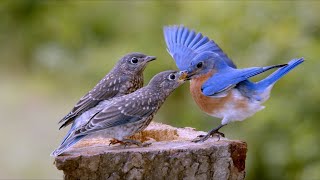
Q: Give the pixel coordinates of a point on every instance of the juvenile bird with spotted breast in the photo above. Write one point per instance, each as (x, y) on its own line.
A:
(126, 115)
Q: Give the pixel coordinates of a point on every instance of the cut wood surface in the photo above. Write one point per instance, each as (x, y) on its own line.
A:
(171, 155)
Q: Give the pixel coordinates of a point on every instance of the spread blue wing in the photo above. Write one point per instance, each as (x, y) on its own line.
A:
(184, 44)
(228, 78)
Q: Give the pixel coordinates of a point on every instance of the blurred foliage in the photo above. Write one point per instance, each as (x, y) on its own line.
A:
(53, 52)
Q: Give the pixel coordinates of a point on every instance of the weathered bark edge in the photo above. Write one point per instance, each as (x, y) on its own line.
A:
(171, 156)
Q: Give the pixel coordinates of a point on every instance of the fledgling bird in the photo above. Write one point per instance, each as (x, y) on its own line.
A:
(126, 115)
(217, 86)
(125, 77)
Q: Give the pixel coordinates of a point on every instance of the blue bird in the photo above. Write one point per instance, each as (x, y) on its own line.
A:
(217, 86)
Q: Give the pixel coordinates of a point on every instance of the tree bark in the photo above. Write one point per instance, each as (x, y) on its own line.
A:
(170, 156)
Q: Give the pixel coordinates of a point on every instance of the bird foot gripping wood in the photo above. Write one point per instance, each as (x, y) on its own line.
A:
(213, 132)
(172, 155)
(202, 138)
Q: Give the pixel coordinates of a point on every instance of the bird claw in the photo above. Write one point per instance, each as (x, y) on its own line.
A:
(115, 141)
(202, 138)
(219, 134)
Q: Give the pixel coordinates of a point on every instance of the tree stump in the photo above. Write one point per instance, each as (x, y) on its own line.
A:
(170, 156)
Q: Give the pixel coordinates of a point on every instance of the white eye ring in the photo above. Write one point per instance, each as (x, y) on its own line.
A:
(134, 60)
(172, 77)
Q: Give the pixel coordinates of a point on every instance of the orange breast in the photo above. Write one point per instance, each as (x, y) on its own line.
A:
(208, 104)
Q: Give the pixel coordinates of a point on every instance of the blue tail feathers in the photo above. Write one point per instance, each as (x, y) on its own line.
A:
(67, 136)
(275, 76)
(66, 145)
(68, 141)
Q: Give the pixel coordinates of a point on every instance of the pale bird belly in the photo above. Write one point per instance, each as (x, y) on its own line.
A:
(236, 107)
(120, 132)
(233, 107)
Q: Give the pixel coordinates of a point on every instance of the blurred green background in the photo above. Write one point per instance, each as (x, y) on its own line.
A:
(53, 52)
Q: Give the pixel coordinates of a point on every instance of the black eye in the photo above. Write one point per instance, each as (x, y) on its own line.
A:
(134, 60)
(172, 77)
(200, 64)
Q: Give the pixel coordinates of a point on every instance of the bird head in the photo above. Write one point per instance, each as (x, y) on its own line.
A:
(167, 81)
(205, 62)
(134, 63)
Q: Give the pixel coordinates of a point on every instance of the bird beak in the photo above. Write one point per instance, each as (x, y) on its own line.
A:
(191, 72)
(150, 58)
(183, 75)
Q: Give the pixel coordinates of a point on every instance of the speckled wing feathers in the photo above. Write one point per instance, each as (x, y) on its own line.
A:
(107, 88)
(121, 112)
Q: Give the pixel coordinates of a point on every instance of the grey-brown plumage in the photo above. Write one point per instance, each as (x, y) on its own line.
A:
(128, 114)
(124, 78)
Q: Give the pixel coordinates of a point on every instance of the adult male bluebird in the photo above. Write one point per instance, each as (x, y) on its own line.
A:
(217, 86)
(125, 115)
(125, 77)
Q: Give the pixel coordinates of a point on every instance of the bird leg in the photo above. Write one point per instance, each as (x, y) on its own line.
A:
(115, 141)
(213, 132)
(127, 142)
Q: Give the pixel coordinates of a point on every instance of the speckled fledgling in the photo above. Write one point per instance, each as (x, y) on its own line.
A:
(217, 86)
(128, 114)
(124, 78)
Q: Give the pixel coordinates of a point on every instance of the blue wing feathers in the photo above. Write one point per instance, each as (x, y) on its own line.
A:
(206, 47)
(190, 37)
(184, 44)
(194, 41)
(255, 71)
(184, 36)
(201, 42)
(179, 35)
(231, 77)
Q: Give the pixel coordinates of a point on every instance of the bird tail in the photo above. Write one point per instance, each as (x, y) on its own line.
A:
(70, 132)
(66, 144)
(274, 77)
